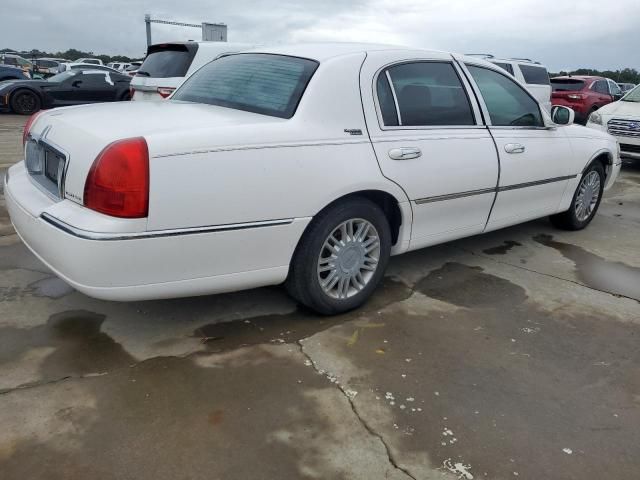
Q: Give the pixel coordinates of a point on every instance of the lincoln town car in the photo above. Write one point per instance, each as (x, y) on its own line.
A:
(308, 165)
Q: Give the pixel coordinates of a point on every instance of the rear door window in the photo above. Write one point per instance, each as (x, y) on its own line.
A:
(427, 93)
(168, 60)
(386, 101)
(534, 75)
(260, 83)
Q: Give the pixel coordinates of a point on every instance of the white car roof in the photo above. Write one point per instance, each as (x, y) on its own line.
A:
(324, 51)
(225, 46)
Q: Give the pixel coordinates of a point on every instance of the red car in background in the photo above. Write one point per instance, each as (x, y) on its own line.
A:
(584, 94)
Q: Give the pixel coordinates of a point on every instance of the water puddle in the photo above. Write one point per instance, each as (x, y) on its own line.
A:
(293, 326)
(613, 277)
(79, 346)
(470, 287)
(502, 249)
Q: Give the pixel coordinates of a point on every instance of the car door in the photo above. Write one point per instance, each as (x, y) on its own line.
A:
(535, 157)
(93, 86)
(61, 93)
(426, 130)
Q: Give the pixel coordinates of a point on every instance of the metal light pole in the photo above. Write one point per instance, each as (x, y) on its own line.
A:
(147, 21)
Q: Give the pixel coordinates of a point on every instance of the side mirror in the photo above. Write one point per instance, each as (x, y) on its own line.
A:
(562, 115)
(617, 96)
(76, 83)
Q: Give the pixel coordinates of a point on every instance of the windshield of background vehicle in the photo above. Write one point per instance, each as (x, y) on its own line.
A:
(632, 96)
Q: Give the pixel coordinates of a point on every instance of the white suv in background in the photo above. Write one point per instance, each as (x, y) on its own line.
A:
(532, 74)
(622, 120)
(167, 64)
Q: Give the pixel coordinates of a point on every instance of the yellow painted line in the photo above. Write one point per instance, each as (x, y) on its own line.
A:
(354, 338)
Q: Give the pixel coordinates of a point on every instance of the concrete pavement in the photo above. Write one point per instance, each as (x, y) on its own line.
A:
(508, 355)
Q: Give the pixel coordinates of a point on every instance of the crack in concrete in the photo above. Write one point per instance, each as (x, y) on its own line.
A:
(363, 422)
(27, 386)
(520, 267)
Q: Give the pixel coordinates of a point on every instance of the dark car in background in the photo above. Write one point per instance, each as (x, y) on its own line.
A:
(64, 89)
(584, 94)
(9, 72)
(16, 61)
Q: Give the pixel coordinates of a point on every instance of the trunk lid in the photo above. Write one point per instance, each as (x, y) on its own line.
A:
(78, 134)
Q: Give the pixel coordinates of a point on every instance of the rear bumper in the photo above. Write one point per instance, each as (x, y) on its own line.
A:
(141, 267)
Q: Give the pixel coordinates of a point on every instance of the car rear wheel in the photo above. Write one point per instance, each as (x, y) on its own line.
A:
(25, 102)
(341, 258)
(585, 202)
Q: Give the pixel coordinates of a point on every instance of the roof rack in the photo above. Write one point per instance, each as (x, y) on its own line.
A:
(485, 55)
(524, 60)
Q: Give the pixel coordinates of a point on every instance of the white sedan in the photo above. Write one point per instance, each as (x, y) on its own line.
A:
(622, 120)
(307, 164)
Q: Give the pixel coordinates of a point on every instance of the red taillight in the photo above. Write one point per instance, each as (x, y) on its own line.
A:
(118, 182)
(28, 125)
(165, 91)
(132, 91)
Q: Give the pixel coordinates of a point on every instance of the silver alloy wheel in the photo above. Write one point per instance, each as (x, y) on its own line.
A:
(588, 195)
(349, 258)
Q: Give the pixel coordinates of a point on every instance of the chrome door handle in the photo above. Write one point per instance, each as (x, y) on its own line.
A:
(404, 153)
(514, 148)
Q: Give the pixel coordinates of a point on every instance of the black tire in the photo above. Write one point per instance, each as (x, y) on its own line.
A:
(303, 282)
(25, 102)
(569, 220)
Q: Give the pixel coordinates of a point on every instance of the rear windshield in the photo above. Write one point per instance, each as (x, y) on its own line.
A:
(566, 85)
(534, 75)
(46, 63)
(260, 83)
(168, 60)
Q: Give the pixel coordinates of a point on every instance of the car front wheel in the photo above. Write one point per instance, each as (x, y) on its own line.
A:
(341, 257)
(25, 102)
(585, 202)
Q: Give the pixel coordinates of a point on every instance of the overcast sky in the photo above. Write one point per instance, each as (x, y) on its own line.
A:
(559, 33)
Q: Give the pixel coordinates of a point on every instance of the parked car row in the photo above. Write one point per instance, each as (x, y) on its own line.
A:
(380, 150)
